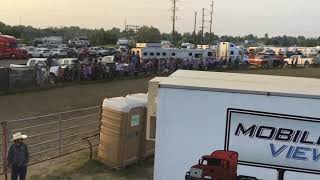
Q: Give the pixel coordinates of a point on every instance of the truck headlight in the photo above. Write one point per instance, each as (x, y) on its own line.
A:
(196, 173)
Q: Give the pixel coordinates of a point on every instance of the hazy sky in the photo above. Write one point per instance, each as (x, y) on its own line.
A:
(231, 17)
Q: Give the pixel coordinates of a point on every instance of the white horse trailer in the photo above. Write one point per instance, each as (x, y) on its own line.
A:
(174, 53)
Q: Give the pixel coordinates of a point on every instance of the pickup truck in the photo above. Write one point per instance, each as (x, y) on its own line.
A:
(258, 60)
(266, 60)
(68, 62)
(299, 61)
(42, 62)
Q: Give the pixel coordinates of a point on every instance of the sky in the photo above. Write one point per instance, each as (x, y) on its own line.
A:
(231, 17)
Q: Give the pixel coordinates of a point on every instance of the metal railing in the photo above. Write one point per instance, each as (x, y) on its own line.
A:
(54, 135)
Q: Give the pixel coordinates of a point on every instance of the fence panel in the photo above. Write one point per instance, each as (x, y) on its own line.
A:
(4, 78)
(54, 135)
(22, 77)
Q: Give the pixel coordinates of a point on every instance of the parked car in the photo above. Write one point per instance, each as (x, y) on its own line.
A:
(258, 60)
(58, 53)
(40, 53)
(111, 51)
(72, 52)
(68, 62)
(99, 51)
(299, 61)
(85, 52)
(54, 71)
(289, 54)
(317, 60)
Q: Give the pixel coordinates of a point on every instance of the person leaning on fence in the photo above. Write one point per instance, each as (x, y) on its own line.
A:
(18, 157)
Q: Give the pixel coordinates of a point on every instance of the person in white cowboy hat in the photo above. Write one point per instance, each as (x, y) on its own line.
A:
(18, 157)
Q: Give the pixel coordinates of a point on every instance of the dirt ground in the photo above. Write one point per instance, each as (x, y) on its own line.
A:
(80, 96)
(66, 98)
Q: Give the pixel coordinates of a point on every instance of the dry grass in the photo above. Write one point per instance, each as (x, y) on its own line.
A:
(81, 168)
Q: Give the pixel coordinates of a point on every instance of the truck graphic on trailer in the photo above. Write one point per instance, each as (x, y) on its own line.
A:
(220, 165)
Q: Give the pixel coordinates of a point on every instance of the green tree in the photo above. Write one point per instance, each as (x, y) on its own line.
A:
(148, 35)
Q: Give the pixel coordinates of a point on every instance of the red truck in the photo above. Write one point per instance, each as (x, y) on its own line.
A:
(9, 48)
(220, 165)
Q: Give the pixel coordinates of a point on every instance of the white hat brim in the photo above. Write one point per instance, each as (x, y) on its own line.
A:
(20, 137)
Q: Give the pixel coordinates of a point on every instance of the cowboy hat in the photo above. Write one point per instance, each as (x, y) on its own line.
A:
(18, 135)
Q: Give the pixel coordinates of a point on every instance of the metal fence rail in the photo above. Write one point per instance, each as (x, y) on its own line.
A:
(54, 135)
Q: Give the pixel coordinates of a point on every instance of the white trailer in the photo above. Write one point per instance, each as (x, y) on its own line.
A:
(201, 112)
(174, 53)
(227, 50)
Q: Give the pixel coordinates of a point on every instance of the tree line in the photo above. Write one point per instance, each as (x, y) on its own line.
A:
(147, 34)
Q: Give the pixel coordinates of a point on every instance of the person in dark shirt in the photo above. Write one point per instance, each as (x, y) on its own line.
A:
(18, 157)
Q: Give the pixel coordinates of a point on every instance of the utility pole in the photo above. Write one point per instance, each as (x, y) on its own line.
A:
(202, 28)
(211, 22)
(195, 28)
(125, 24)
(174, 9)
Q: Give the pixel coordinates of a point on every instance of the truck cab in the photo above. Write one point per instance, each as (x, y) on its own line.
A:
(220, 165)
(9, 48)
